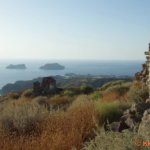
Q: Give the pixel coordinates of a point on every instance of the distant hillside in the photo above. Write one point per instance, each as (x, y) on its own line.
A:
(64, 82)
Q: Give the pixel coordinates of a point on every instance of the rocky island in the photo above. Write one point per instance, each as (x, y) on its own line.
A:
(18, 66)
(52, 66)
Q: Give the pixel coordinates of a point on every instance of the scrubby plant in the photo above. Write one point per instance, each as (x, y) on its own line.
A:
(59, 100)
(62, 130)
(14, 95)
(115, 91)
(112, 84)
(27, 93)
(115, 141)
(21, 117)
(111, 111)
(69, 93)
(138, 93)
(85, 89)
(121, 89)
(41, 100)
(96, 95)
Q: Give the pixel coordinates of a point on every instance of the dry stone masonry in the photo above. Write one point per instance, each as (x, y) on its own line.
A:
(144, 75)
(46, 87)
(138, 116)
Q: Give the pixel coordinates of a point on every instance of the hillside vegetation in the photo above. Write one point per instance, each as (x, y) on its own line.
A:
(77, 118)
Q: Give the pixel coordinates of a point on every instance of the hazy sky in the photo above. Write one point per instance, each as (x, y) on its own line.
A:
(74, 29)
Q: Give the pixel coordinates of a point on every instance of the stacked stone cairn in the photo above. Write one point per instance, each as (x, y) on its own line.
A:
(138, 116)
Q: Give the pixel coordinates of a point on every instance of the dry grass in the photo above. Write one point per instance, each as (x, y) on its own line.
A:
(116, 141)
(56, 130)
(21, 117)
(110, 97)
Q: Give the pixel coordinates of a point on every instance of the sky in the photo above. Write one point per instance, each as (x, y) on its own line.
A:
(74, 29)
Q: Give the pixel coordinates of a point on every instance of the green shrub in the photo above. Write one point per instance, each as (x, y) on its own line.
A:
(115, 141)
(96, 95)
(85, 89)
(69, 93)
(111, 111)
(111, 84)
(120, 89)
(137, 94)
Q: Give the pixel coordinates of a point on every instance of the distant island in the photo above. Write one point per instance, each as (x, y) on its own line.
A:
(52, 66)
(18, 66)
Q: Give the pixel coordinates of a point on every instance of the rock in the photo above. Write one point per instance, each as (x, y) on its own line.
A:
(19, 66)
(143, 75)
(46, 87)
(148, 101)
(37, 88)
(146, 116)
(114, 126)
(123, 125)
(53, 66)
(141, 107)
(144, 126)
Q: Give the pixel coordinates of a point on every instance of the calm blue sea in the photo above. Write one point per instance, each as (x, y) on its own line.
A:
(79, 67)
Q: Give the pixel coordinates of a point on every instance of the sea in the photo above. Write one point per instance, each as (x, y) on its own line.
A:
(81, 67)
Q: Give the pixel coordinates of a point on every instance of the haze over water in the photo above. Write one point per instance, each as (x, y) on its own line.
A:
(116, 68)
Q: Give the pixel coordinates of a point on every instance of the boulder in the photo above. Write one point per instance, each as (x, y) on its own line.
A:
(144, 127)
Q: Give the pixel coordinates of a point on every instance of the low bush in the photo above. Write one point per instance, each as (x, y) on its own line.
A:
(113, 83)
(96, 95)
(110, 111)
(41, 100)
(27, 93)
(69, 93)
(57, 130)
(115, 141)
(121, 89)
(85, 89)
(21, 117)
(59, 100)
(138, 94)
(14, 95)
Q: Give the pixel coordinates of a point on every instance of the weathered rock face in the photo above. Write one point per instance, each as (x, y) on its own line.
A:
(36, 88)
(143, 75)
(132, 117)
(144, 127)
(46, 87)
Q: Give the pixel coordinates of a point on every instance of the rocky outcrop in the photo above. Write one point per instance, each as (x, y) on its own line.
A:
(143, 75)
(132, 118)
(46, 87)
(144, 127)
